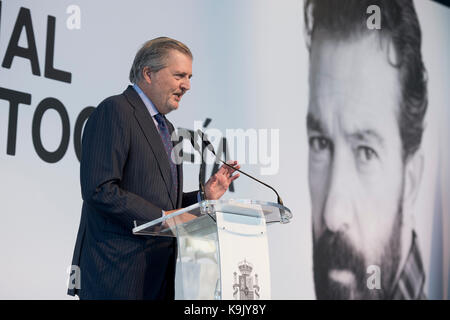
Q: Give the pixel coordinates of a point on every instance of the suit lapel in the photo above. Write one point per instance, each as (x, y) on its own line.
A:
(153, 138)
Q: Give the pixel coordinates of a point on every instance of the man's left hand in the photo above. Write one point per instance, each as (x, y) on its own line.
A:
(218, 184)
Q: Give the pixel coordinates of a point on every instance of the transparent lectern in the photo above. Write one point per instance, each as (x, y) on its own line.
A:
(223, 249)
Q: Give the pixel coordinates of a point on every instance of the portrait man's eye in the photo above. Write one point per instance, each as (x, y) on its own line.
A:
(365, 154)
(319, 144)
(320, 149)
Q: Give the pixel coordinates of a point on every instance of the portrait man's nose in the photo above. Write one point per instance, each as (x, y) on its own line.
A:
(338, 211)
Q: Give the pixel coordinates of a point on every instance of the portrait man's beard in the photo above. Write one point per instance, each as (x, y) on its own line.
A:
(333, 251)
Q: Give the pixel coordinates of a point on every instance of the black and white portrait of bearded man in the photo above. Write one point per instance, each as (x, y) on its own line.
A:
(367, 102)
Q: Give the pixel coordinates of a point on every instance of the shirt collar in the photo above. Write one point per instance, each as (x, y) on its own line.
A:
(410, 284)
(148, 103)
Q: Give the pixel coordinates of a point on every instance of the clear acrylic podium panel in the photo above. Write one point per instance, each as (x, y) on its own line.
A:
(198, 266)
(199, 219)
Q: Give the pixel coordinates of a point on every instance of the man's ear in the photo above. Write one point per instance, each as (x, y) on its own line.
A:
(147, 75)
(413, 176)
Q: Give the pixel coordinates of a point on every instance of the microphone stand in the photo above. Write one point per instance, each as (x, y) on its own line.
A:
(207, 144)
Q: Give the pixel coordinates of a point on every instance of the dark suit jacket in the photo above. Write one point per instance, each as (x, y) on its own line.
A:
(125, 176)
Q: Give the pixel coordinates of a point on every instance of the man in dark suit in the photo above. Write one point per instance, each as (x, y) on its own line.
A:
(129, 173)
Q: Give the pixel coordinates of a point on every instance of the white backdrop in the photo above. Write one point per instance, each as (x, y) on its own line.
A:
(250, 71)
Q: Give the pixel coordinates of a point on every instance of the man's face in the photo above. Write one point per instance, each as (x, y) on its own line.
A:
(170, 83)
(355, 165)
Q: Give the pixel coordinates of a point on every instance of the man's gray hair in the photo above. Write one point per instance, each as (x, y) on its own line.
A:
(153, 54)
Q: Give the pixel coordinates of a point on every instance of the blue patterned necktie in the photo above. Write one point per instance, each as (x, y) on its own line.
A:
(167, 142)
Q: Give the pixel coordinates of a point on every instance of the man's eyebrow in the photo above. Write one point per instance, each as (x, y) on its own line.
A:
(183, 73)
(367, 135)
(312, 123)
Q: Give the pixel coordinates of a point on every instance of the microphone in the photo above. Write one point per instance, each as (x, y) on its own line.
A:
(207, 145)
(194, 142)
(201, 174)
